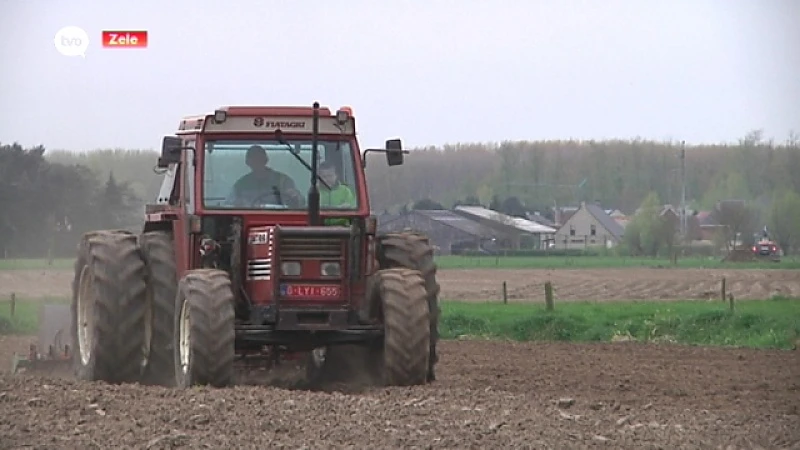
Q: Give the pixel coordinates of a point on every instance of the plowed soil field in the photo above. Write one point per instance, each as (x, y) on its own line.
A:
(618, 284)
(527, 284)
(489, 395)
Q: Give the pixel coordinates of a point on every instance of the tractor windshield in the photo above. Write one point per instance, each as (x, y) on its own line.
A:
(268, 175)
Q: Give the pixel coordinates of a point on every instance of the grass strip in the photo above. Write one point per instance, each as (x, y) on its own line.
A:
(25, 318)
(771, 323)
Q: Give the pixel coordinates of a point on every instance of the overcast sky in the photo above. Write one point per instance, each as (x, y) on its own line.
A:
(431, 72)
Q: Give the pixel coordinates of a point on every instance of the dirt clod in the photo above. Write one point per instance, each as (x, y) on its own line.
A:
(565, 402)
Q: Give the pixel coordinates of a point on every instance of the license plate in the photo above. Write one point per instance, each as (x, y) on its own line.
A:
(310, 291)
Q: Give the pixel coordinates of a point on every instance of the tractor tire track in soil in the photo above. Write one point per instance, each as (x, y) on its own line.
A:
(488, 395)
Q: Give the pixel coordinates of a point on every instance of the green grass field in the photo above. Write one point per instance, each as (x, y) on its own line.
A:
(511, 262)
(26, 315)
(755, 323)
(599, 262)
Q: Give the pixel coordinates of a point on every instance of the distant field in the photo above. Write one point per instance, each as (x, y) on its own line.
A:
(511, 262)
(600, 262)
(35, 263)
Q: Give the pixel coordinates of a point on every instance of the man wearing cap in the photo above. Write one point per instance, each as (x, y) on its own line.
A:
(264, 185)
(338, 194)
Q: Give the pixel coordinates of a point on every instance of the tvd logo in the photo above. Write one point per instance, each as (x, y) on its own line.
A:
(262, 122)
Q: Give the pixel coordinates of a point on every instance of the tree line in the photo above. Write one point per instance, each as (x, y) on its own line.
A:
(45, 206)
(514, 177)
(618, 174)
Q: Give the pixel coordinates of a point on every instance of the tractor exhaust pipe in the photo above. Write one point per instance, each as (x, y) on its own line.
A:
(313, 191)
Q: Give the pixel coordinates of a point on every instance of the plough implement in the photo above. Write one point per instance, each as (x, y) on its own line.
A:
(52, 353)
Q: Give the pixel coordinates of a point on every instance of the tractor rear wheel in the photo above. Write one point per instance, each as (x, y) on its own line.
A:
(109, 311)
(413, 251)
(204, 329)
(162, 285)
(406, 318)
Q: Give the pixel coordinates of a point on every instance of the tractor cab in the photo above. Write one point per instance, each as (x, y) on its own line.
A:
(277, 197)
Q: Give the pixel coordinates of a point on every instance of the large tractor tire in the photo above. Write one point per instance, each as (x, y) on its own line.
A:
(414, 251)
(406, 318)
(204, 329)
(162, 285)
(109, 308)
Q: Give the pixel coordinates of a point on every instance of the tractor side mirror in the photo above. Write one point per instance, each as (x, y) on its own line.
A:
(170, 151)
(394, 152)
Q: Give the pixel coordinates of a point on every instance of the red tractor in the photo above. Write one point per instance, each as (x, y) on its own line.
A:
(236, 266)
(767, 249)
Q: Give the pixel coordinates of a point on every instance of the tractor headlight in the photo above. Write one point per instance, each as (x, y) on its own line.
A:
(290, 268)
(330, 269)
(220, 116)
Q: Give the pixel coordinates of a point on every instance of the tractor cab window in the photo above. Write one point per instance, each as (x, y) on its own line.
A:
(268, 175)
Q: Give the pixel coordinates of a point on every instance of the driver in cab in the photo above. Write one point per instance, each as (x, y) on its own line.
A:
(264, 185)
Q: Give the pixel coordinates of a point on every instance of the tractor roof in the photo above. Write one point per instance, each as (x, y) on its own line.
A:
(268, 119)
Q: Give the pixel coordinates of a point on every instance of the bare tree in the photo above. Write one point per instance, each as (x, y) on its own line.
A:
(784, 219)
(738, 219)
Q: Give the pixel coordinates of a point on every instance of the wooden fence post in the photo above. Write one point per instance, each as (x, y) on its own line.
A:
(548, 295)
(13, 304)
(505, 293)
(730, 298)
(722, 290)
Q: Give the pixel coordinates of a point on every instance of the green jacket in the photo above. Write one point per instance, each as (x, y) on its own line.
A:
(339, 195)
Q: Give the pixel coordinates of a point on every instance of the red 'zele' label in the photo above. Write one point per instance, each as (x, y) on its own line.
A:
(125, 39)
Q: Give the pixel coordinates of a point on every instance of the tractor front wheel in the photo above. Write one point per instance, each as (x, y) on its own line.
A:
(413, 250)
(204, 329)
(406, 317)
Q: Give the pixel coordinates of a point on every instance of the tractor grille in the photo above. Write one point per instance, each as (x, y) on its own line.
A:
(310, 247)
(259, 269)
